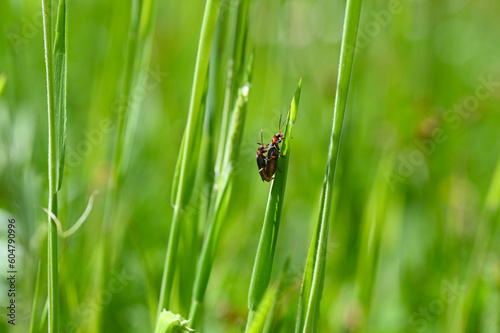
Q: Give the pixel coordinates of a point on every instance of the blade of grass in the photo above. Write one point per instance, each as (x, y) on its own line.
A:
(190, 238)
(60, 82)
(184, 186)
(56, 133)
(266, 249)
(220, 194)
(234, 75)
(312, 283)
(191, 235)
(220, 91)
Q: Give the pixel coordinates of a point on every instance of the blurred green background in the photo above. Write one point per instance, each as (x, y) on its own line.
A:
(416, 168)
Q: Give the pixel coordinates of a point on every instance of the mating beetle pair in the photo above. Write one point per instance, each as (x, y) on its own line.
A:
(268, 165)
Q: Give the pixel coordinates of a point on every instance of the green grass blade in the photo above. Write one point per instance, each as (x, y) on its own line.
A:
(264, 258)
(312, 283)
(185, 184)
(177, 172)
(221, 194)
(52, 253)
(234, 74)
(190, 238)
(60, 83)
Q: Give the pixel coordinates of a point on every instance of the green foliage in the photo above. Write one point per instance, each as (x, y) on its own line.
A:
(413, 209)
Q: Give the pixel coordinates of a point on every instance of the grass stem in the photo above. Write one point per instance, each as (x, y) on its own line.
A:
(53, 277)
(188, 157)
(312, 283)
(264, 259)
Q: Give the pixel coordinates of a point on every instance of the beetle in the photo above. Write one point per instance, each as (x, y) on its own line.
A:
(261, 158)
(278, 137)
(273, 152)
(268, 167)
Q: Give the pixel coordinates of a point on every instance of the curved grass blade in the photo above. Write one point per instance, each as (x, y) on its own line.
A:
(264, 258)
(313, 280)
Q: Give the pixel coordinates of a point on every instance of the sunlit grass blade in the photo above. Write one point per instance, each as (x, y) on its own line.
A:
(313, 280)
(177, 172)
(190, 238)
(220, 198)
(186, 180)
(234, 73)
(264, 258)
(56, 130)
(197, 211)
(60, 83)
